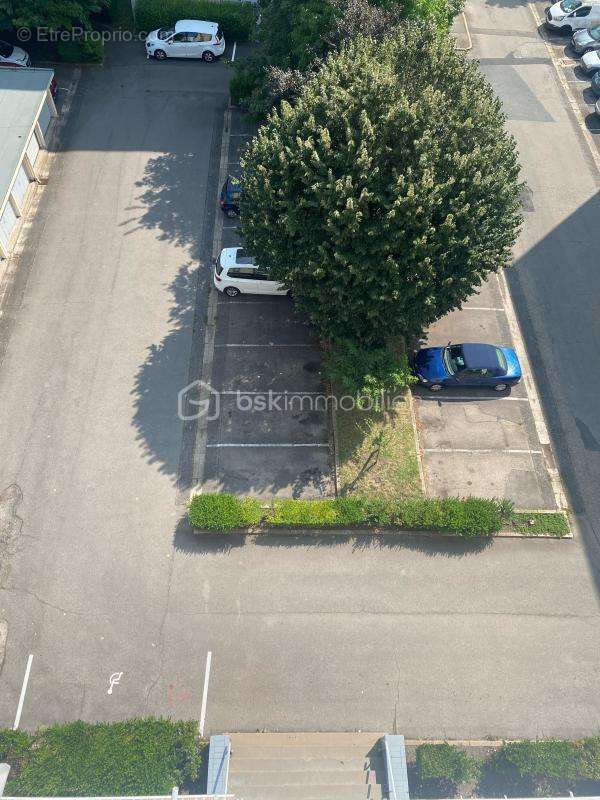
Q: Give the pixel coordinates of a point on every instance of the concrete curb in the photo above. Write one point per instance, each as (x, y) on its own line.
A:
(347, 530)
(413, 417)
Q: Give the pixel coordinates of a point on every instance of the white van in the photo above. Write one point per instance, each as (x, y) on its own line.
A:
(236, 273)
(188, 38)
(573, 15)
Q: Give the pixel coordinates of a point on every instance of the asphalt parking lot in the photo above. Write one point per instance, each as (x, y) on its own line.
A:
(482, 442)
(269, 435)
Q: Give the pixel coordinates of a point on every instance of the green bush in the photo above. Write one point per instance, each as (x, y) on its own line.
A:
(538, 760)
(120, 14)
(223, 512)
(368, 372)
(469, 517)
(318, 513)
(81, 51)
(445, 762)
(236, 19)
(588, 758)
(14, 745)
(138, 756)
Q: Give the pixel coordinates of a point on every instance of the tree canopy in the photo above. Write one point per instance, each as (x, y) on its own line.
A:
(388, 192)
(54, 14)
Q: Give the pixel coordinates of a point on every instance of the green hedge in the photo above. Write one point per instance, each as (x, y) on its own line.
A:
(223, 512)
(468, 517)
(137, 756)
(84, 51)
(236, 19)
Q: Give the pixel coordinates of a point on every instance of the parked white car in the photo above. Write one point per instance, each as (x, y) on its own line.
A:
(237, 273)
(569, 16)
(188, 38)
(14, 55)
(591, 61)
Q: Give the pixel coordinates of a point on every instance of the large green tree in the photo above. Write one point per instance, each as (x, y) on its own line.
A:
(54, 14)
(389, 191)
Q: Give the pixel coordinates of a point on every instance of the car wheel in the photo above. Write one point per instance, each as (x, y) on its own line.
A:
(208, 56)
(435, 387)
(160, 55)
(231, 291)
(500, 387)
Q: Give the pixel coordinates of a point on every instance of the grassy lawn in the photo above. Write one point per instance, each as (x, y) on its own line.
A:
(533, 523)
(377, 452)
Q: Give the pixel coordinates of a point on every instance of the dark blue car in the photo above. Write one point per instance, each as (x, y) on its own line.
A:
(230, 197)
(464, 365)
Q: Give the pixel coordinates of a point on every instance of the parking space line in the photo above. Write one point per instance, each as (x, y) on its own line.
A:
(205, 692)
(472, 399)
(273, 444)
(482, 308)
(296, 394)
(483, 450)
(236, 135)
(247, 302)
(233, 52)
(23, 691)
(270, 344)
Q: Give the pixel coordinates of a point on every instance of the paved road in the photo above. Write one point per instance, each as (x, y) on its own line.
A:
(434, 638)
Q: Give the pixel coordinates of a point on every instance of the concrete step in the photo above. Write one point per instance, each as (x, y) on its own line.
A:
(299, 778)
(306, 739)
(289, 763)
(316, 792)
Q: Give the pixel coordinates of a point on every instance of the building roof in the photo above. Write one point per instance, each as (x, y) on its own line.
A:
(22, 93)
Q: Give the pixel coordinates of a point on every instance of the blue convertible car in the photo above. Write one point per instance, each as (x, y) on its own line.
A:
(464, 365)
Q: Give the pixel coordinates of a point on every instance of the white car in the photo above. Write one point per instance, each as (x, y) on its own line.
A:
(14, 55)
(573, 15)
(236, 273)
(591, 61)
(188, 38)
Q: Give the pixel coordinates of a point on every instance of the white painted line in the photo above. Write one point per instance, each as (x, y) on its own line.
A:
(471, 399)
(314, 444)
(272, 392)
(233, 53)
(230, 227)
(481, 308)
(23, 691)
(271, 344)
(236, 135)
(205, 692)
(483, 450)
(249, 302)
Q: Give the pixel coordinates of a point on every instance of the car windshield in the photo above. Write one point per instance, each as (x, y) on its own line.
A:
(570, 5)
(165, 33)
(242, 257)
(595, 33)
(501, 359)
(454, 358)
(6, 49)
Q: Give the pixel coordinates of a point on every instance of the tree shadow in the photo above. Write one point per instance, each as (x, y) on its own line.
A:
(187, 542)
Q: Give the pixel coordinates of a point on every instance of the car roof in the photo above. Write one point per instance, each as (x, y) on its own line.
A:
(480, 356)
(200, 25)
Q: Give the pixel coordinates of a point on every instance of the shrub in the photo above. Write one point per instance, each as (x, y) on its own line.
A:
(446, 762)
(367, 372)
(588, 758)
(223, 512)
(138, 756)
(81, 51)
(538, 760)
(471, 516)
(319, 513)
(14, 745)
(236, 19)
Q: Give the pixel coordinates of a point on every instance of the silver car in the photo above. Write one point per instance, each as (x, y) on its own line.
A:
(586, 40)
